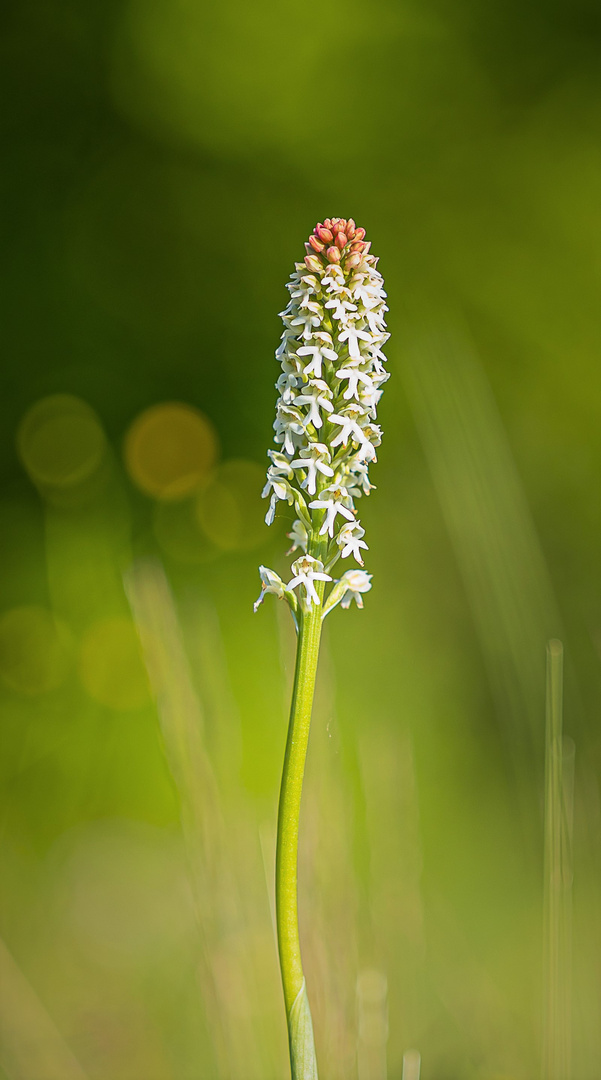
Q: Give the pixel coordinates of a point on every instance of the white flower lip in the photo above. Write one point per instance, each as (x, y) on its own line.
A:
(326, 430)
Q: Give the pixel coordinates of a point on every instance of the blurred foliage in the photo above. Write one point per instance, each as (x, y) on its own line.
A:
(162, 166)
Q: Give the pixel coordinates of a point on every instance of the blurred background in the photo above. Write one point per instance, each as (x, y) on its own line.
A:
(163, 164)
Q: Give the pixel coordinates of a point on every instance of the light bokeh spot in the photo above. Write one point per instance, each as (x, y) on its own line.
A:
(60, 441)
(111, 668)
(170, 450)
(230, 509)
(35, 650)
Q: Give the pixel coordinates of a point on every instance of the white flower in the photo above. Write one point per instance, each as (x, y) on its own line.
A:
(280, 466)
(316, 394)
(287, 336)
(369, 294)
(356, 478)
(334, 279)
(356, 582)
(304, 289)
(318, 352)
(375, 353)
(270, 583)
(354, 377)
(299, 536)
(349, 428)
(349, 541)
(312, 459)
(373, 432)
(340, 307)
(375, 320)
(310, 318)
(280, 490)
(338, 502)
(353, 334)
(288, 384)
(289, 426)
(307, 570)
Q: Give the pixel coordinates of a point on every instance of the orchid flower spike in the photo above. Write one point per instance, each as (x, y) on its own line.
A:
(325, 427)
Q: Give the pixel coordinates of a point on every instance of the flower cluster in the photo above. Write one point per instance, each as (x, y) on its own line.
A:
(325, 427)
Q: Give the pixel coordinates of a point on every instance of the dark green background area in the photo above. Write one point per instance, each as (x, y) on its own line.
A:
(162, 165)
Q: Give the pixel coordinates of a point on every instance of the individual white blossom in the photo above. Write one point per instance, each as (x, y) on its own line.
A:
(299, 536)
(340, 307)
(270, 583)
(313, 458)
(317, 395)
(336, 500)
(355, 376)
(350, 428)
(307, 570)
(355, 583)
(350, 541)
(354, 335)
(326, 430)
(319, 350)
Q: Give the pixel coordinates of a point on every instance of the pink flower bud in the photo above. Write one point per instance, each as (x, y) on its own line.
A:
(340, 240)
(333, 254)
(350, 228)
(359, 234)
(324, 234)
(353, 260)
(316, 244)
(357, 245)
(313, 263)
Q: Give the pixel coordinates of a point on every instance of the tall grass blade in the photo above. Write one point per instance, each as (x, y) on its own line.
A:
(30, 1044)
(215, 848)
(411, 1065)
(372, 1036)
(491, 529)
(556, 1057)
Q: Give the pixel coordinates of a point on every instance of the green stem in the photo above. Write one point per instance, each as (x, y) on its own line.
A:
(302, 1052)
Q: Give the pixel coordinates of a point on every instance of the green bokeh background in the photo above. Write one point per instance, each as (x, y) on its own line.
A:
(162, 165)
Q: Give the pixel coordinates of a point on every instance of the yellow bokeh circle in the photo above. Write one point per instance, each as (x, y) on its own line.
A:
(229, 508)
(170, 450)
(60, 441)
(35, 650)
(111, 667)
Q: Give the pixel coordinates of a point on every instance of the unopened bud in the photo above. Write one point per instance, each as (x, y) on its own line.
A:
(328, 223)
(316, 244)
(357, 245)
(333, 255)
(313, 263)
(353, 260)
(340, 240)
(359, 234)
(324, 234)
(350, 228)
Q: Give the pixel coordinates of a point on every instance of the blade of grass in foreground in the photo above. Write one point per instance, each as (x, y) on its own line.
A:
(215, 849)
(556, 1063)
(491, 528)
(30, 1044)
